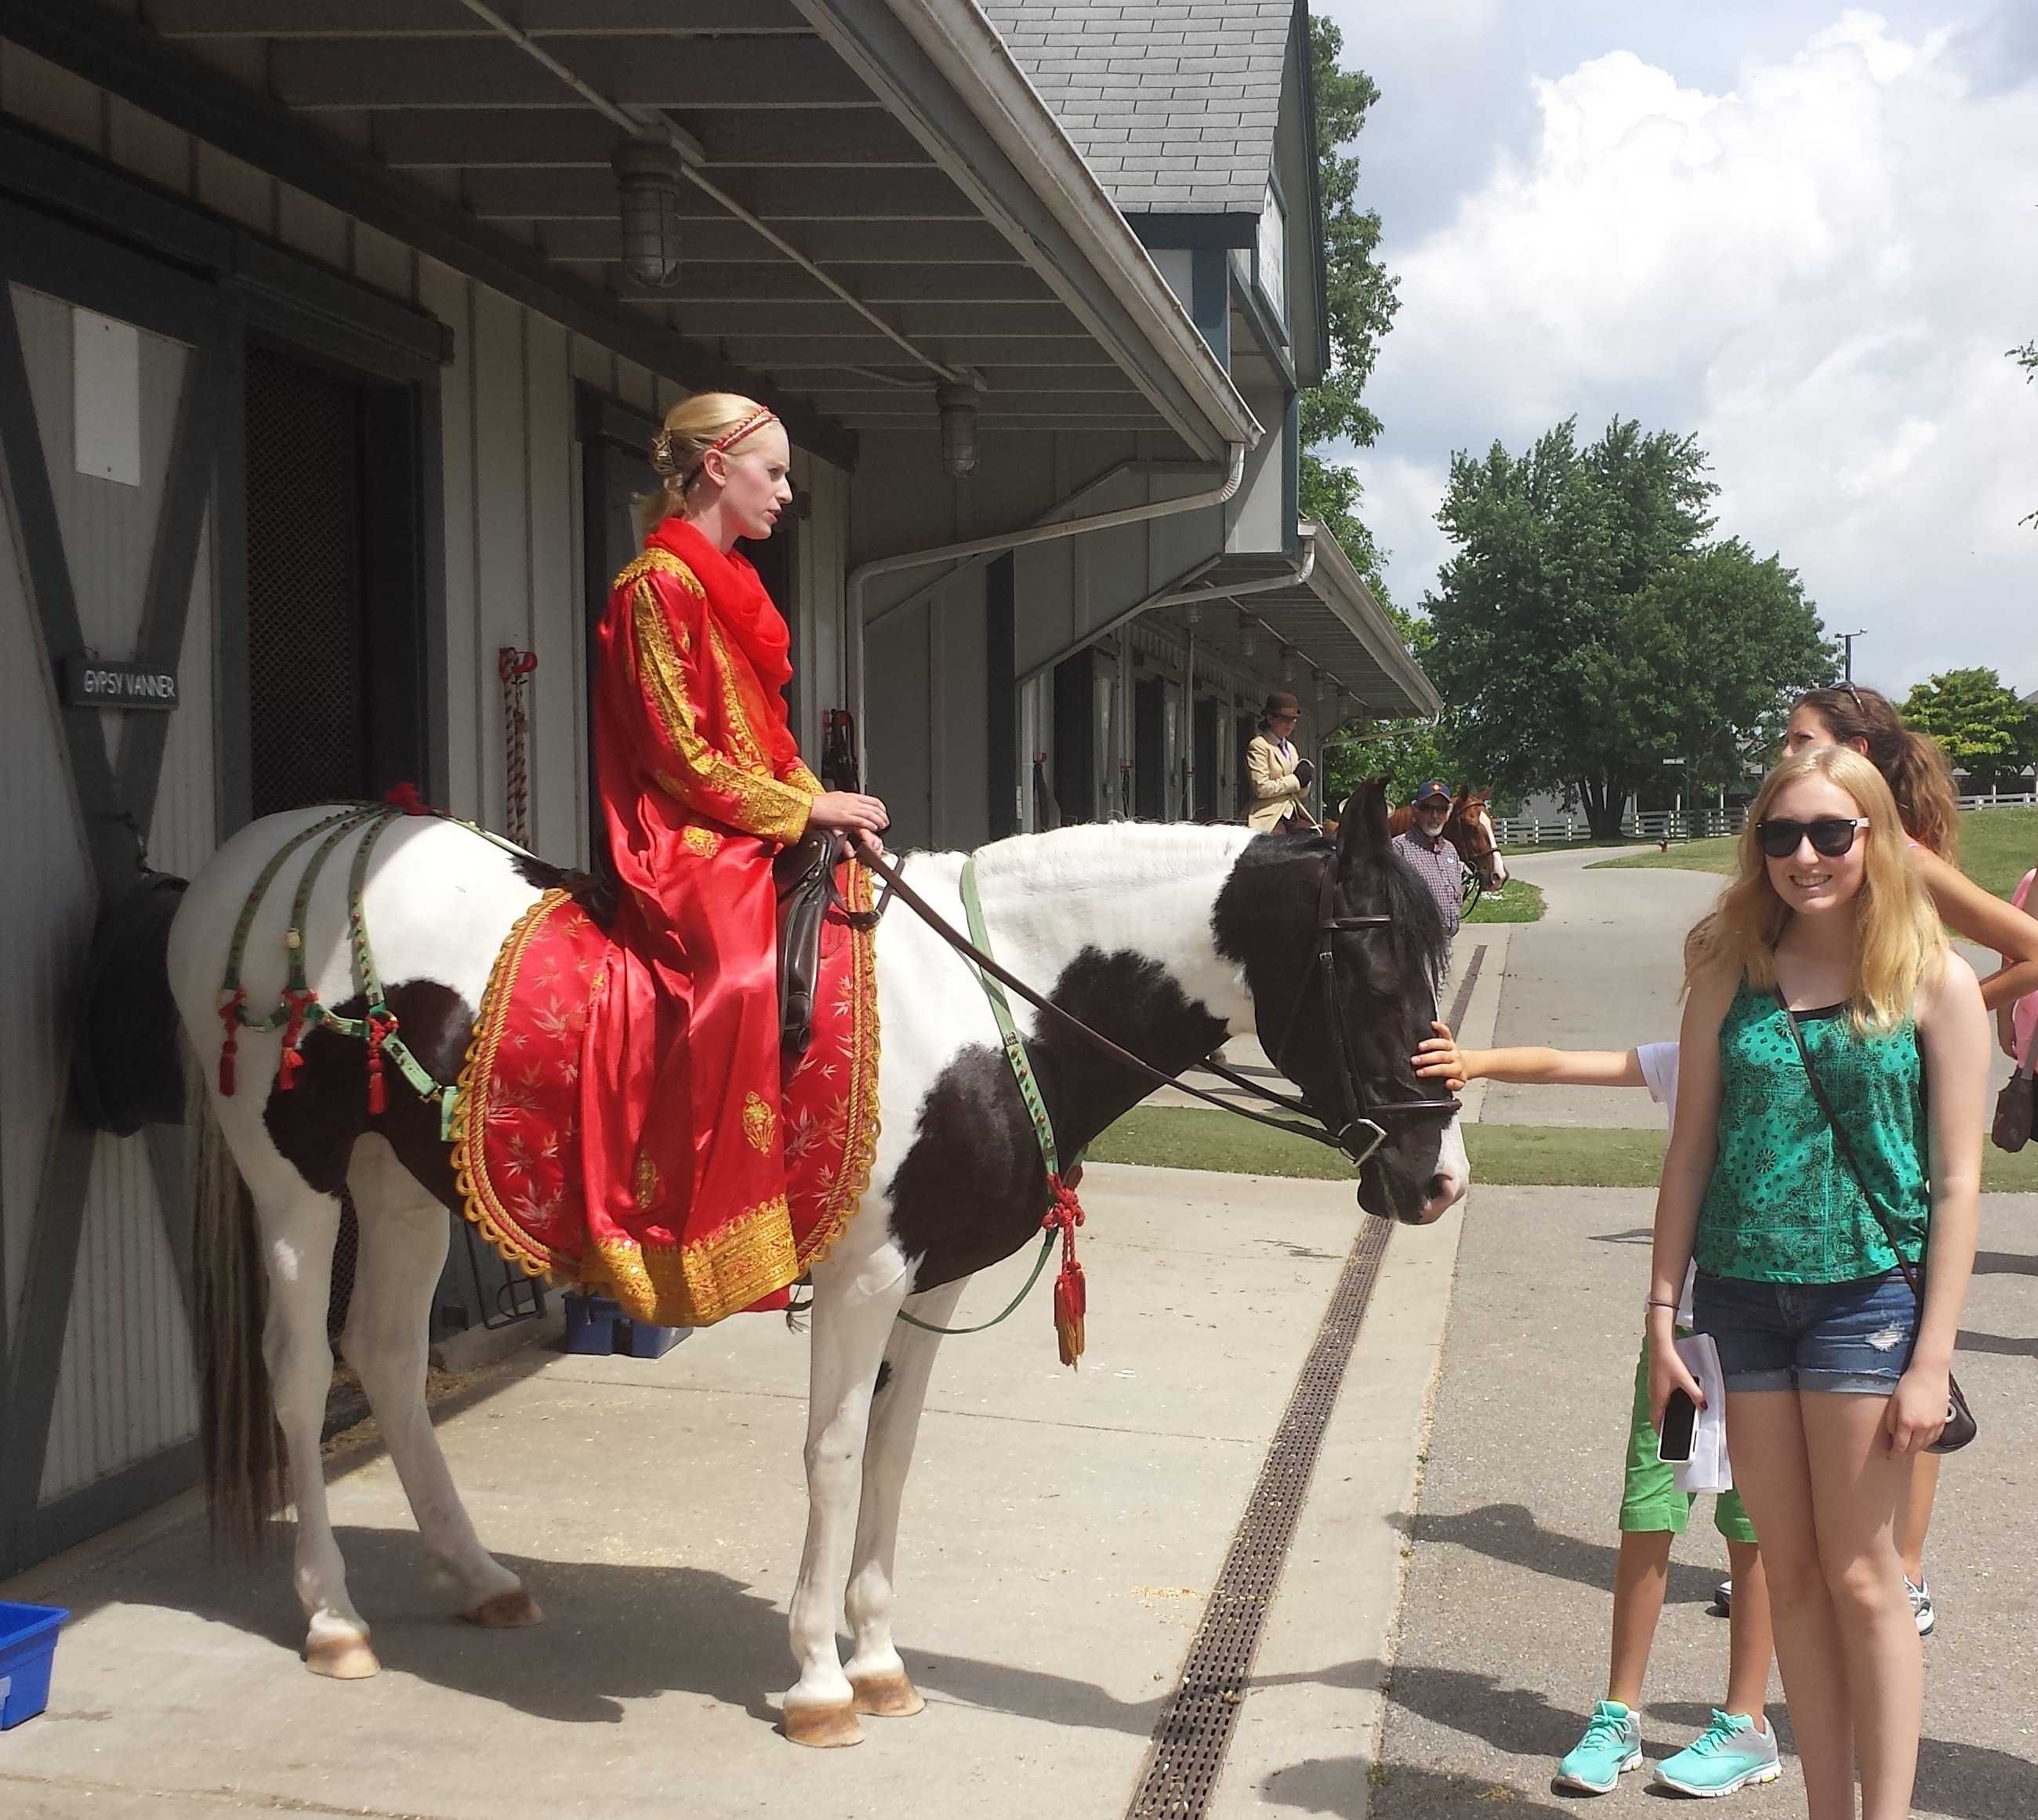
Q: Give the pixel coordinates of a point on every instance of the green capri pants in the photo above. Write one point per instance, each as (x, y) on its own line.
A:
(1649, 1500)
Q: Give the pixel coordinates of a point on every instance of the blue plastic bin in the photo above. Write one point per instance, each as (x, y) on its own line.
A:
(591, 1322)
(640, 1340)
(28, 1646)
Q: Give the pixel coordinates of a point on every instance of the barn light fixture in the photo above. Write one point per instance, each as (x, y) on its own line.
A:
(1287, 663)
(648, 175)
(1193, 613)
(1322, 683)
(1249, 634)
(958, 408)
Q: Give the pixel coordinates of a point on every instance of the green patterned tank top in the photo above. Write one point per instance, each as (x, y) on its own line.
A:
(1782, 1207)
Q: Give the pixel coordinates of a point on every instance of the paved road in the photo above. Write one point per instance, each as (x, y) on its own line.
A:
(1600, 971)
(1502, 1648)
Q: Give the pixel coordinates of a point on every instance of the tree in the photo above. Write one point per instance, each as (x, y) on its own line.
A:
(1981, 725)
(1359, 294)
(1587, 628)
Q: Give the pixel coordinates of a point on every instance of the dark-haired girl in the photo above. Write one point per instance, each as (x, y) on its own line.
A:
(1923, 784)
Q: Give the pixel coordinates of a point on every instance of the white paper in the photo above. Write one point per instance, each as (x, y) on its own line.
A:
(106, 398)
(1708, 1470)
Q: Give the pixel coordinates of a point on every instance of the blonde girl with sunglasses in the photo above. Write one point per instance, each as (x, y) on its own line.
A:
(1836, 1376)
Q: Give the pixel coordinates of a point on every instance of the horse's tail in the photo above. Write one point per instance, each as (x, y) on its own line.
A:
(238, 1433)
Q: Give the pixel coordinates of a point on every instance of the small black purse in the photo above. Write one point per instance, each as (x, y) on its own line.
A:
(1960, 1426)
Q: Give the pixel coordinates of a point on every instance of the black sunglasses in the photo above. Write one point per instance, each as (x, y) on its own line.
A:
(1832, 835)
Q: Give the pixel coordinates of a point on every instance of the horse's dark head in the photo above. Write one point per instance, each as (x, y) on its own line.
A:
(1345, 1035)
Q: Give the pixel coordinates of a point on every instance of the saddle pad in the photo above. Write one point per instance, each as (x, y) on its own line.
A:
(517, 1149)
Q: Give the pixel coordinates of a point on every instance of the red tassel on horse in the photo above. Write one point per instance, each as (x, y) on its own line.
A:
(379, 1030)
(1071, 1293)
(230, 1015)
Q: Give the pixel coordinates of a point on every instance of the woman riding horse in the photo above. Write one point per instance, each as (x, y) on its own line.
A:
(701, 784)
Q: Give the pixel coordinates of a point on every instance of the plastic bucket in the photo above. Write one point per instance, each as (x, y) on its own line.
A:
(28, 1646)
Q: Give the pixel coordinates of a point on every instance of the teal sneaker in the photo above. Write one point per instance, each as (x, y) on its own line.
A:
(1730, 1754)
(1612, 1743)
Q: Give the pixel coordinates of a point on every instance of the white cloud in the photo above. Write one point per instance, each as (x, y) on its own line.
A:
(1817, 271)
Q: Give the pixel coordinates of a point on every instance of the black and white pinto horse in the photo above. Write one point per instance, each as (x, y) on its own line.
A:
(1163, 938)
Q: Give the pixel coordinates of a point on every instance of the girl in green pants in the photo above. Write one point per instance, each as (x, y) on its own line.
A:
(1738, 1749)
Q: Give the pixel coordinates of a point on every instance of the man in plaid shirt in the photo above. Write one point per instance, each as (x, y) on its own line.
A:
(1435, 860)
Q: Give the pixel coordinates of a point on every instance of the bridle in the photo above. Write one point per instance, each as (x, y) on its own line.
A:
(1358, 1132)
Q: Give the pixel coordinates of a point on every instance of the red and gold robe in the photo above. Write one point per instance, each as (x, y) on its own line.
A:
(701, 784)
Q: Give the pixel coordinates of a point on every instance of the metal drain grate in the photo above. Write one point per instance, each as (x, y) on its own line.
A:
(1195, 1728)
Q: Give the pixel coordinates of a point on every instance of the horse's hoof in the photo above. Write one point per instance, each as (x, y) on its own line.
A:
(887, 1696)
(823, 1727)
(342, 1658)
(505, 1611)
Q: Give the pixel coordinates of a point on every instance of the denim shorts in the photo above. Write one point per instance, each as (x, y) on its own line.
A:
(1847, 1337)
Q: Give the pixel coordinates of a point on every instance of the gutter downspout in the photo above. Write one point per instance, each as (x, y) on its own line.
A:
(864, 573)
(1194, 596)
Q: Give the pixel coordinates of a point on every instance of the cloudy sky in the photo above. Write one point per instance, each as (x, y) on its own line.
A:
(1805, 233)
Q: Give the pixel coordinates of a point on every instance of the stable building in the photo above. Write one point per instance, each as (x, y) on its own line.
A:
(333, 333)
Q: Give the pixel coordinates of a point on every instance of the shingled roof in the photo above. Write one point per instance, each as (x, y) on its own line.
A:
(1173, 104)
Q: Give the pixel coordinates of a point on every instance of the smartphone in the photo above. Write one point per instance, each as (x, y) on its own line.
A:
(1681, 1419)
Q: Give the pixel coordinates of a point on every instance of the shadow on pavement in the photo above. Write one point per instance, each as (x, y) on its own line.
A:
(1340, 1786)
(612, 1633)
(1998, 1343)
(1510, 1532)
(2004, 1264)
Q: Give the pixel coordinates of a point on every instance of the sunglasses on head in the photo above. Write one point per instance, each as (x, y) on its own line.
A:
(1832, 835)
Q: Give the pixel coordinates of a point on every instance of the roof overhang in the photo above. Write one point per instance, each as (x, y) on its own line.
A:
(1329, 619)
(908, 209)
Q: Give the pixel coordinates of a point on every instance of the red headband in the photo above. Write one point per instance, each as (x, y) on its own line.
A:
(661, 446)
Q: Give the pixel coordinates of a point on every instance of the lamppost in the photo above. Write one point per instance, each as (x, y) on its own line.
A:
(1846, 639)
(1688, 799)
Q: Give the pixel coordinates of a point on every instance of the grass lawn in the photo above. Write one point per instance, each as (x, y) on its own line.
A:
(1559, 1156)
(1517, 900)
(1998, 847)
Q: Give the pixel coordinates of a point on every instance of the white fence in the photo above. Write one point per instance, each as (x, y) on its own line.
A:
(1678, 824)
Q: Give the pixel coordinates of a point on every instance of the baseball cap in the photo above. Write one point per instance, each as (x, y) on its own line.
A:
(1433, 788)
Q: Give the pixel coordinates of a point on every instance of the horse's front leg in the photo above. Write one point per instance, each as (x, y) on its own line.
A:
(877, 1676)
(403, 1234)
(856, 1300)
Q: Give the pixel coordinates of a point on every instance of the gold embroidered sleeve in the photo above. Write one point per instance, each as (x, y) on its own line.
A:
(687, 765)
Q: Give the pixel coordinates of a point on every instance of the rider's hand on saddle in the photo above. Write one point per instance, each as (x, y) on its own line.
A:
(863, 819)
(1439, 1057)
(1306, 771)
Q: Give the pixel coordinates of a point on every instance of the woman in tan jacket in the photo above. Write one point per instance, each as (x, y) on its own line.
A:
(1278, 776)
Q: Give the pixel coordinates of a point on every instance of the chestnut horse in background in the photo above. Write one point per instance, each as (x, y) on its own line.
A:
(1469, 828)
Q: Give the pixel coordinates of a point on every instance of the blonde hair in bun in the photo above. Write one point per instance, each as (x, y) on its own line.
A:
(694, 425)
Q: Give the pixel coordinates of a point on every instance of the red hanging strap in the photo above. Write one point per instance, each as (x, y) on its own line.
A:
(1071, 1297)
(300, 1002)
(380, 1030)
(230, 1009)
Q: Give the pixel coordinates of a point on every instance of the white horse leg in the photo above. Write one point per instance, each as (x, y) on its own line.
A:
(856, 1300)
(878, 1676)
(299, 1226)
(403, 1234)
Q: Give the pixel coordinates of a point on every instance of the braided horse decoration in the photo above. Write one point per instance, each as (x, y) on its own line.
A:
(1165, 939)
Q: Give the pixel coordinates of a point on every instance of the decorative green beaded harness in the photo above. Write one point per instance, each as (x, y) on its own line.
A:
(301, 1010)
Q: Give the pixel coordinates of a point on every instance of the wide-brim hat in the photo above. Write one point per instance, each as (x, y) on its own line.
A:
(1280, 703)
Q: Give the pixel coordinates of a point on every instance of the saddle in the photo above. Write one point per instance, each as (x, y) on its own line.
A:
(803, 876)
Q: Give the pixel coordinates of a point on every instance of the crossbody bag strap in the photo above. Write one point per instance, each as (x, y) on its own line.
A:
(1845, 1150)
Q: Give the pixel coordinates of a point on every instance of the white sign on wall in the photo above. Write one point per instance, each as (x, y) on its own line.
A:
(106, 398)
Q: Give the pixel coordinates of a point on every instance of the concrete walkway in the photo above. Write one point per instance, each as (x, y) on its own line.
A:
(1062, 1531)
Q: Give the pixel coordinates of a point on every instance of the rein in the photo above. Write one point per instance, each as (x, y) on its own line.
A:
(1358, 1136)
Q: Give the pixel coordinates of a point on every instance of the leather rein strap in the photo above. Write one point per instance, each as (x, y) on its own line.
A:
(1359, 1135)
